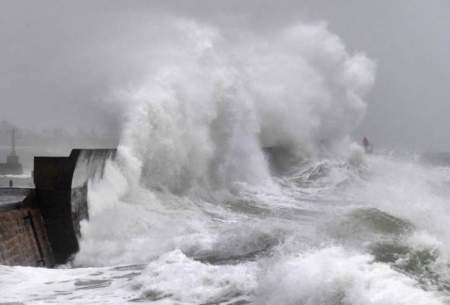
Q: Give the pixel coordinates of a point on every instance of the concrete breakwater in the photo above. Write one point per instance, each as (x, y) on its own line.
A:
(40, 226)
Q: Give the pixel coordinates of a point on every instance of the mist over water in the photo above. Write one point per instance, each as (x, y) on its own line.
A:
(236, 182)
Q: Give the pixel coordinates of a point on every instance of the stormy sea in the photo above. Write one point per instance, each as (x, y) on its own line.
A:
(238, 181)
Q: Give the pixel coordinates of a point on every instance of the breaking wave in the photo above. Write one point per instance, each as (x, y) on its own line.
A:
(236, 182)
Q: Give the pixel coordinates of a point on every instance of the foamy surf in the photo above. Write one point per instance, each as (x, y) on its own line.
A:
(236, 182)
(307, 247)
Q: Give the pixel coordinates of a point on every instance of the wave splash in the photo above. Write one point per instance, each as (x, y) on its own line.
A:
(236, 182)
(236, 167)
(200, 118)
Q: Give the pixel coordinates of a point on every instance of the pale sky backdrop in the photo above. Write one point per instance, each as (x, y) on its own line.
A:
(58, 58)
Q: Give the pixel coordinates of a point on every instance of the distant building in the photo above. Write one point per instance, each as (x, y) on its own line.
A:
(12, 165)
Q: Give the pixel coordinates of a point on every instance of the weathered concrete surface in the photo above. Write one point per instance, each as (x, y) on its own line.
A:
(41, 226)
(63, 204)
(23, 238)
(53, 180)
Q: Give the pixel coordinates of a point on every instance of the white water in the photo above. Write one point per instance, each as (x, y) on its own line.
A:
(197, 210)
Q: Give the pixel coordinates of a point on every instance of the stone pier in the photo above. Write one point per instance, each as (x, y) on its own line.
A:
(40, 226)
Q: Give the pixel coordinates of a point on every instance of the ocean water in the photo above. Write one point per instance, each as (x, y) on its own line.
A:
(236, 182)
(331, 233)
(22, 181)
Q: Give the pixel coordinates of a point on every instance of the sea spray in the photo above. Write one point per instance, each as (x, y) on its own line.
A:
(236, 182)
(202, 116)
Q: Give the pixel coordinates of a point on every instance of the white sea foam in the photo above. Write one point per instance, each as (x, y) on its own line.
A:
(336, 276)
(175, 278)
(193, 197)
(410, 191)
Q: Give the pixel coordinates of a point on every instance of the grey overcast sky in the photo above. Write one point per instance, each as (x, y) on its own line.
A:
(59, 58)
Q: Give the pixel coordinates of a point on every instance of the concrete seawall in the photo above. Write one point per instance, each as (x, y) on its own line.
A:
(23, 237)
(40, 226)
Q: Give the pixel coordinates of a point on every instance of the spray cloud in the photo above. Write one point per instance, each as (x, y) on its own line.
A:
(212, 99)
